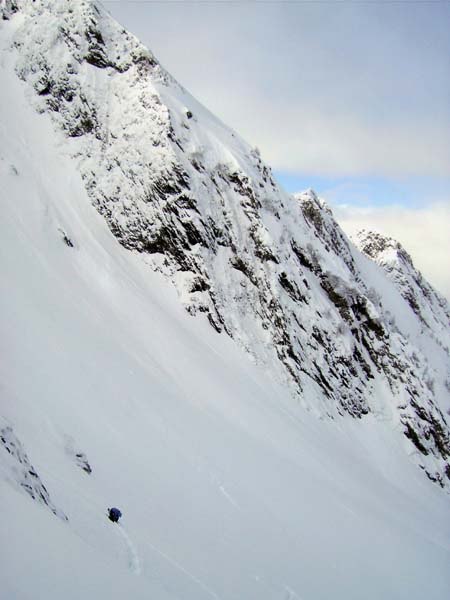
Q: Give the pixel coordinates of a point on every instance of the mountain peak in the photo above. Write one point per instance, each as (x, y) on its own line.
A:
(310, 196)
(430, 307)
(380, 247)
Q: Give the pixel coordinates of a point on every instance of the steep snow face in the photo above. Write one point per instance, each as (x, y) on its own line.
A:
(197, 203)
(112, 395)
(353, 283)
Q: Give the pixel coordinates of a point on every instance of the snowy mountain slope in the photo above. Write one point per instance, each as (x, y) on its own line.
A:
(391, 297)
(110, 393)
(432, 309)
(229, 489)
(198, 204)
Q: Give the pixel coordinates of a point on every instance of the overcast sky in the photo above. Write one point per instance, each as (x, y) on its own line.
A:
(351, 98)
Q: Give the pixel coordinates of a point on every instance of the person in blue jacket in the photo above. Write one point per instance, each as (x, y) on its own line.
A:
(114, 514)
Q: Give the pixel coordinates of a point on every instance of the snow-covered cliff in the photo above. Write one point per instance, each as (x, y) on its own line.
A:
(274, 272)
(182, 339)
(429, 306)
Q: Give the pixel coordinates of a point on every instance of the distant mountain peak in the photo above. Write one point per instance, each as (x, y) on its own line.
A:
(377, 246)
(431, 308)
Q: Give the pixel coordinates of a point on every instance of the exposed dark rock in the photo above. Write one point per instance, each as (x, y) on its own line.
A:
(96, 54)
(291, 288)
(24, 473)
(8, 9)
(67, 240)
(83, 462)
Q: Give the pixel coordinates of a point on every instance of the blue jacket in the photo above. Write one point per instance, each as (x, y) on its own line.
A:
(114, 514)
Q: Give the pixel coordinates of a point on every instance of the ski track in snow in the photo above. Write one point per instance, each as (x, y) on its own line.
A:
(134, 562)
(291, 594)
(228, 497)
(183, 570)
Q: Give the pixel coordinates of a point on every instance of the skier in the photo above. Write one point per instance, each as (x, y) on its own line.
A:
(114, 514)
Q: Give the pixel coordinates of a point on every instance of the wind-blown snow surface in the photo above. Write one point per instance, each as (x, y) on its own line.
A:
(229, 489)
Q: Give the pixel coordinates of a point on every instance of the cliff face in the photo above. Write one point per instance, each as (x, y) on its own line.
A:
(431, 309)
(272, 271)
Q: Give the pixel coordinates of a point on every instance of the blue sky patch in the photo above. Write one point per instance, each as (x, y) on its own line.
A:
(412, 192)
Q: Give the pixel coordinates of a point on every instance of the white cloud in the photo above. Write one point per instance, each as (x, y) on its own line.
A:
(330, 89)
(424, 233)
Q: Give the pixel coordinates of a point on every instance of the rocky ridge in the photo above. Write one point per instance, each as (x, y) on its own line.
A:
(429, 306)
(274, 272)
(21, 472)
